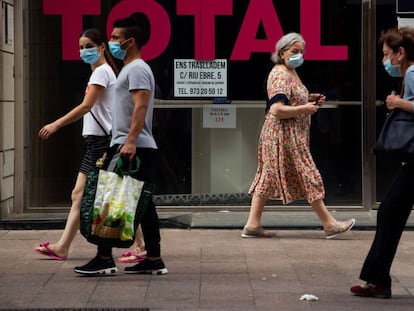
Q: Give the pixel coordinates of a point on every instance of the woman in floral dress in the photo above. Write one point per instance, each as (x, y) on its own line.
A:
(286, 170)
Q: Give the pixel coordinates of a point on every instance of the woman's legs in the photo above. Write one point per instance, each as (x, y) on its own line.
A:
(61, 247)
(391, 220)
(326, 218)
(392, 216)
(96, 147)
(137, 252)
(253, 229)
(331, 226)
(258, 203)
(139, 244)
(256, 211)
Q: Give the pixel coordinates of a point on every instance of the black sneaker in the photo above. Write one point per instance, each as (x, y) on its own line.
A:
(97, 265)
(148, 267)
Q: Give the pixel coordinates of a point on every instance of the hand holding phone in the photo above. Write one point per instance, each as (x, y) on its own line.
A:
(321, 95)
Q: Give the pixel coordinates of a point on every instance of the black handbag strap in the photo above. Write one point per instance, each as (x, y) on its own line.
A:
(100, 125)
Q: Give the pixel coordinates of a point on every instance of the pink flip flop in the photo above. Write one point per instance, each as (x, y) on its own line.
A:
(48, 252)
(131, 257)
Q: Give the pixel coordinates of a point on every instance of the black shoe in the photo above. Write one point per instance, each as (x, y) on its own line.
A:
(97, 265)
(148, 267)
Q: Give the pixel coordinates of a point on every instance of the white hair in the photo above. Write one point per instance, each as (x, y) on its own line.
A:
(284, 44)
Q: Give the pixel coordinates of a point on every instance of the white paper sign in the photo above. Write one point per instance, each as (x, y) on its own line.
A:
(193, 78)
(405, 22)
(219, 116)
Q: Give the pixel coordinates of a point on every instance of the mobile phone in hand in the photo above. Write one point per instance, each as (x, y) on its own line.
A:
(319, 98)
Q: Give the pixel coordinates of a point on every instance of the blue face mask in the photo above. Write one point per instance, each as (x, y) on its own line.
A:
(392, 70)
(89, 56)
(116, 50)
(295, 61)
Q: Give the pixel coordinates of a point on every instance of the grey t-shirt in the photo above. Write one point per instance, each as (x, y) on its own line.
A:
(136, 75)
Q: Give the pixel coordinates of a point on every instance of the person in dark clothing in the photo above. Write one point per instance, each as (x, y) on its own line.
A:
(394, 210)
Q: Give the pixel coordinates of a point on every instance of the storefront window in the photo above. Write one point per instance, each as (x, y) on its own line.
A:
(201, 164)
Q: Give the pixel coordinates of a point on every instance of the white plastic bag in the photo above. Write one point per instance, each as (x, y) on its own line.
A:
(115, 205)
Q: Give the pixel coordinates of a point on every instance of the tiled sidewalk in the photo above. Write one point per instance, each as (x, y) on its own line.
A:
(208, 270)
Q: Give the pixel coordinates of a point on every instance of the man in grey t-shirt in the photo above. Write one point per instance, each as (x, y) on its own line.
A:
(132, 135)
(134, 77)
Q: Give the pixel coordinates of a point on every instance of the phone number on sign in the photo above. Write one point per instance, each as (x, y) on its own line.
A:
(206, 91)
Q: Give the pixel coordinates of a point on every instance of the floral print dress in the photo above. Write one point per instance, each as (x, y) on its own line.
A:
(286, 170)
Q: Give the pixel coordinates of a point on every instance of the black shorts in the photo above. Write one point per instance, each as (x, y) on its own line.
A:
(96, 146)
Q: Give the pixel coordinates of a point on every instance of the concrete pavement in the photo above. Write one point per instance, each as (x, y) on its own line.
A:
(209, 269)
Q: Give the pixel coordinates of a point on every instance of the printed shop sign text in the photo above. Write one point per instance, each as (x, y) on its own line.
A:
(259, 13)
